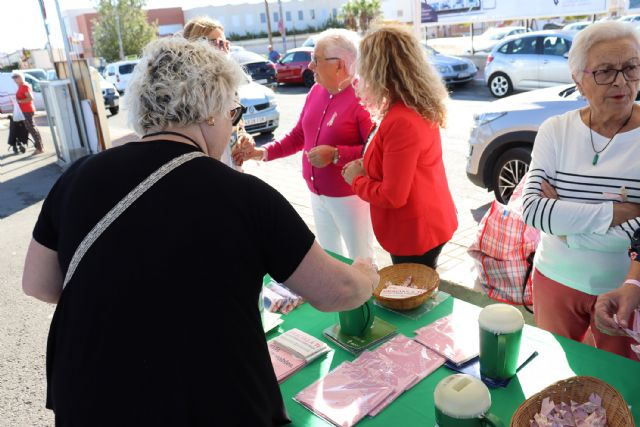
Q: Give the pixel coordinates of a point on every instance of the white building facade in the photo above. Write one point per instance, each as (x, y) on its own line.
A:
(252, 18)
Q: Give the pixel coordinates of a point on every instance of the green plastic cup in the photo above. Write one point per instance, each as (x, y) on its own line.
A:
(358, 321)
(463, 401)
(500, 335)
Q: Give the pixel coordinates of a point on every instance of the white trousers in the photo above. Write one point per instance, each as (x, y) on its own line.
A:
(343, 219)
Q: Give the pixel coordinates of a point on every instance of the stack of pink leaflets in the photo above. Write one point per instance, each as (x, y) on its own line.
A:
(370, 383)
(292, 350)
(455, 338)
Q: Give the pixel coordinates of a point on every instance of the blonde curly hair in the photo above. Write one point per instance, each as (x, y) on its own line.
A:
(200, 27)
(392, 66)
(181, 82)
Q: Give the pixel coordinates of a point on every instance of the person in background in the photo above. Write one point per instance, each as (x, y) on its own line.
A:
(159, 323)
(331, 131)
(581, 188)
(213, 32)
(274, 55)
(24, 96)
(402, 174)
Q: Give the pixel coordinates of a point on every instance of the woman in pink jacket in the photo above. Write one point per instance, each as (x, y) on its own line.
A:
(331, 131)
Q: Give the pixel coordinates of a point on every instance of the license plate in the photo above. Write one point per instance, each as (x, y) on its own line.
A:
(255, 121)
(463, 75)
(261, 81)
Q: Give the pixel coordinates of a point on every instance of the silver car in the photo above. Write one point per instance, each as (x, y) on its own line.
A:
(262, 115)
(529, 61)
(502, 137)
(454, 70)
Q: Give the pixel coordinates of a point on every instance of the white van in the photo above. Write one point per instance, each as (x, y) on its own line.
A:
(9, 88)
(119, 73)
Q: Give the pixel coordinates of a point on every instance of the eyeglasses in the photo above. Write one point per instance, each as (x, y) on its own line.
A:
(314, 59)
(236, 114)
(606, 76)
(219, 44)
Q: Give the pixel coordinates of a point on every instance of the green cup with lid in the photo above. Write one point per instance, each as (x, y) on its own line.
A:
(500, 335)
(463, 401)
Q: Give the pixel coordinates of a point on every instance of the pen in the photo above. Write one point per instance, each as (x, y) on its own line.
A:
(529, 359)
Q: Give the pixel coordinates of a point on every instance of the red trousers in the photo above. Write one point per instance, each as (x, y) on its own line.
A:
(569, 312)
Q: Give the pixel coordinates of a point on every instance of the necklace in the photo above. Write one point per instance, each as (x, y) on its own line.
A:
(168, 132)
(596, 155)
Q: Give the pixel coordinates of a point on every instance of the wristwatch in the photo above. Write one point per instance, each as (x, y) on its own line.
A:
(634, 249)
(336, 156)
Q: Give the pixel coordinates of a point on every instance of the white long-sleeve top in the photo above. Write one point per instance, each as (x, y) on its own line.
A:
(593, 259)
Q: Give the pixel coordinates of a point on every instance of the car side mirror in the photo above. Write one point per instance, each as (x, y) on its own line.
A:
(565, 55)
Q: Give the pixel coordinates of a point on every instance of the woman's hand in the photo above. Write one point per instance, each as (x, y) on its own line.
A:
(623, 212)
(368, 268)
(246, 149)
(353, 169)
(620, 302)
(548, 191)
(321, 155)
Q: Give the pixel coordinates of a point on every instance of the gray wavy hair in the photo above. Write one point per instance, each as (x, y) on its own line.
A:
(593, 34)
(342, 44)
(181, 82)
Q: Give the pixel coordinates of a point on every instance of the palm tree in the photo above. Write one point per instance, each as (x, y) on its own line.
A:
(366, 11)
(348, 15)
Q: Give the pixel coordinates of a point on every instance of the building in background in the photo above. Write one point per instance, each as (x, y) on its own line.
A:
(79, 24)
(251, 18)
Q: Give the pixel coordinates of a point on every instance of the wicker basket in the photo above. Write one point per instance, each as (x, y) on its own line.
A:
(423, 277)
(577, 389)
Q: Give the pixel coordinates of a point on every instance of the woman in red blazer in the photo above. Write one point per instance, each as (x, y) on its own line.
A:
(402, 175)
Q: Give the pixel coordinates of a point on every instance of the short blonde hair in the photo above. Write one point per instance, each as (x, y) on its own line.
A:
(341, 43)
(200, 27)
(392, 66)
(597, 33)
(181, 82)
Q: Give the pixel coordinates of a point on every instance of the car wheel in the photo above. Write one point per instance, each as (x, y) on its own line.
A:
(114, 110)
(307, 76)
(500, 85)
(510, 168)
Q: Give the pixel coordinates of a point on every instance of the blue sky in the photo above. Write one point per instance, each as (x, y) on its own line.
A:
(21, 24)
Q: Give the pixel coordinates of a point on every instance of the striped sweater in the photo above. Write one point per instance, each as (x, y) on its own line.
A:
(578, 248)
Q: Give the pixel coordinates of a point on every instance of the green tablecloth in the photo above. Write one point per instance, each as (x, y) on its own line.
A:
(558, 358)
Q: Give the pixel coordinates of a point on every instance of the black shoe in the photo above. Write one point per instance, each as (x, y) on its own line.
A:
(23, 148)
(15, 149)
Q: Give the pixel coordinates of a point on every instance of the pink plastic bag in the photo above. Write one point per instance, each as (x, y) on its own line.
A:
(502, 249)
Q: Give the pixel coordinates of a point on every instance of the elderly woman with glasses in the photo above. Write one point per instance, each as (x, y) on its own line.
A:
(213, 32)
(331, 131)
(157, 320)
(582, 188)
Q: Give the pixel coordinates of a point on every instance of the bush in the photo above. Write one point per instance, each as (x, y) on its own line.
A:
(249, 35)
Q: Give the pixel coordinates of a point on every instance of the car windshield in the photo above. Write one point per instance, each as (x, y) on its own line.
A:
(495, 33)
(430, 51)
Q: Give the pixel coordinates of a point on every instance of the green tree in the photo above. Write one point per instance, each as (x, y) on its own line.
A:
(349, 15)
(135, 30)
(358, 14)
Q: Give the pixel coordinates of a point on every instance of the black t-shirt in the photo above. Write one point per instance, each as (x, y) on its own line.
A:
(159, 325)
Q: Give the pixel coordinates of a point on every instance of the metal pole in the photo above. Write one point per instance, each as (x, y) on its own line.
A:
(282, 28)
(46, 29)
(115, 8)
(266, 8)
(74, 89)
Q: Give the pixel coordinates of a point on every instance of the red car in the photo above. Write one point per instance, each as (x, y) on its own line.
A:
(294, 67)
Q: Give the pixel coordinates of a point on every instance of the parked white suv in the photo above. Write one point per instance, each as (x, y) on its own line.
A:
(119, 73)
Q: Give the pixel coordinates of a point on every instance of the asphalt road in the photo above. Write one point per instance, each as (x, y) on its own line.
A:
(25, 181)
